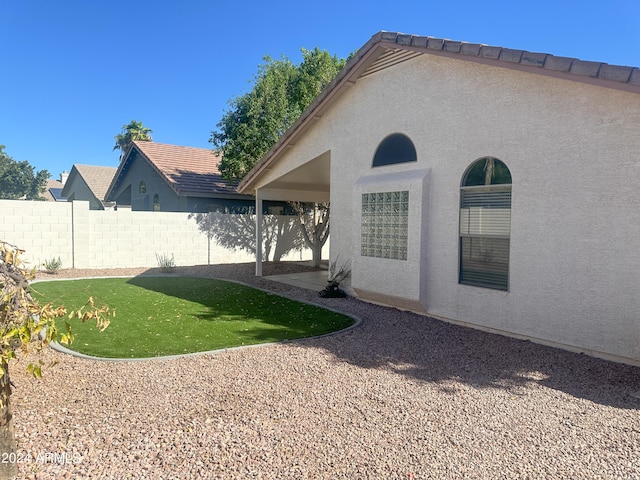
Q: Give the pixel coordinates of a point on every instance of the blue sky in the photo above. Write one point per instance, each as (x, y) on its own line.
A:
(76, 71)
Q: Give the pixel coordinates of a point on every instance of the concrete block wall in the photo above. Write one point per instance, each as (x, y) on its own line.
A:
(122, 238)
(42, 229)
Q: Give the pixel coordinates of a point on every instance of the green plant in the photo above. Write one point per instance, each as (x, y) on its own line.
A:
(337, 273)
(27, 325)
(166, 263)
(52, 265)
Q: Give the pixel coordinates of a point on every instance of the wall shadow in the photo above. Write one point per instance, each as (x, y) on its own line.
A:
(424, 349)
(281, 234)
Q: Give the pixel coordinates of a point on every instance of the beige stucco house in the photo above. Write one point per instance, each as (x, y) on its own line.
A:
(490, 187)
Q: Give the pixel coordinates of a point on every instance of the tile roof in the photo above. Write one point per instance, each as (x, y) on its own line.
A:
(385, 49)
(545, 61)
(97, 178)
(188, 170)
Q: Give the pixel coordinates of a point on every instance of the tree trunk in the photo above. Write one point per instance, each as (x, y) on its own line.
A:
(316, 250)
(8, 466)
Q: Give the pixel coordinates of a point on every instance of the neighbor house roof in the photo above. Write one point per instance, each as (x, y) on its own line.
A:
(53, 192)
(189, 171)
(386, 49)
(97, 178)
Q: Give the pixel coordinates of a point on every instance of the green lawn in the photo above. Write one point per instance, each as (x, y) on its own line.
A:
(157, 316)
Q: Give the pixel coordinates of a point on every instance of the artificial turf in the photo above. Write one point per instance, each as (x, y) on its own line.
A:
(157, 316)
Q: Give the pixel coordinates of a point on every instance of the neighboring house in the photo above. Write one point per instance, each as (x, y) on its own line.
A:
(172, 178)
(490, 187)
(53, 192)
(89, 182)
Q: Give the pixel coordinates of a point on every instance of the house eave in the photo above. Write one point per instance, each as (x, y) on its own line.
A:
(364, 63)
(229, 196)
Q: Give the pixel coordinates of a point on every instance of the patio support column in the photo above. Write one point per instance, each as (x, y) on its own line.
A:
(258, 233)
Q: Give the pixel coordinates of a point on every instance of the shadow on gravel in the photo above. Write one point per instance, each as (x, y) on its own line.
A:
(422, 348)
(425, 349)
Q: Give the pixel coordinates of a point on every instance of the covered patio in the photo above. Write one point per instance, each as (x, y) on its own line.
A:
(308, 182)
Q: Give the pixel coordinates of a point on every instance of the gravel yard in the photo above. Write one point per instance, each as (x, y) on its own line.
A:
(401, 396)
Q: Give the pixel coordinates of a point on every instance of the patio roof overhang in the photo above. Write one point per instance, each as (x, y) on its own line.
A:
(309, 182)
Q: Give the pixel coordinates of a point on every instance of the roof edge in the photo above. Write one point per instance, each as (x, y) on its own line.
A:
(342, 76)
(616, 76)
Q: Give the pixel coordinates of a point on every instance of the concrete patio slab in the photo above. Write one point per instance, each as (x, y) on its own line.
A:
(309, 280)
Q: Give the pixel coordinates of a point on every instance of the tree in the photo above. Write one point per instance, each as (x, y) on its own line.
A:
(27, 326)
(314, 225)
(134, 131)
(18, 181)
(257, 119)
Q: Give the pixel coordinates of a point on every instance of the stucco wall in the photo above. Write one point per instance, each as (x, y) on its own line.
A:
(84, 238)
(139, 169)
(573, 152)
(81, 191)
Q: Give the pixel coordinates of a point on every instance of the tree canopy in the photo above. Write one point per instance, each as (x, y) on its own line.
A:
(18, 180)
(257, 119)
(130, 133)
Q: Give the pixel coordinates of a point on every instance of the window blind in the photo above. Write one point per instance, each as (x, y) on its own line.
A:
(485, 230)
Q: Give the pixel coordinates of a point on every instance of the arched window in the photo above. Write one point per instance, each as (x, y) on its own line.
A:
(396, 148)
(142, 188)
(485, 224)
(156, 203)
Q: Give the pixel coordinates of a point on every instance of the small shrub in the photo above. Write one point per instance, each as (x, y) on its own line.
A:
(337, 274)
(166, 263)
(53, 265)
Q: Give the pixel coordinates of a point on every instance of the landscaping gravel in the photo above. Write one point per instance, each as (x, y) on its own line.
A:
(401, 396)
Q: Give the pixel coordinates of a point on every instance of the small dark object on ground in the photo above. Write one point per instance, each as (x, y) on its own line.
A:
(332, 291)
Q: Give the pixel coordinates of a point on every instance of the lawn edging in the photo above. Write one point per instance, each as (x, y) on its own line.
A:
(62, 349)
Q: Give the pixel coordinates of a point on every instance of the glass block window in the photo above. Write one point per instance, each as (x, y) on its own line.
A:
(385, 225)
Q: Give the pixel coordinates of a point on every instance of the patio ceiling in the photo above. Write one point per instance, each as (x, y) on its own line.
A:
(309, 182)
